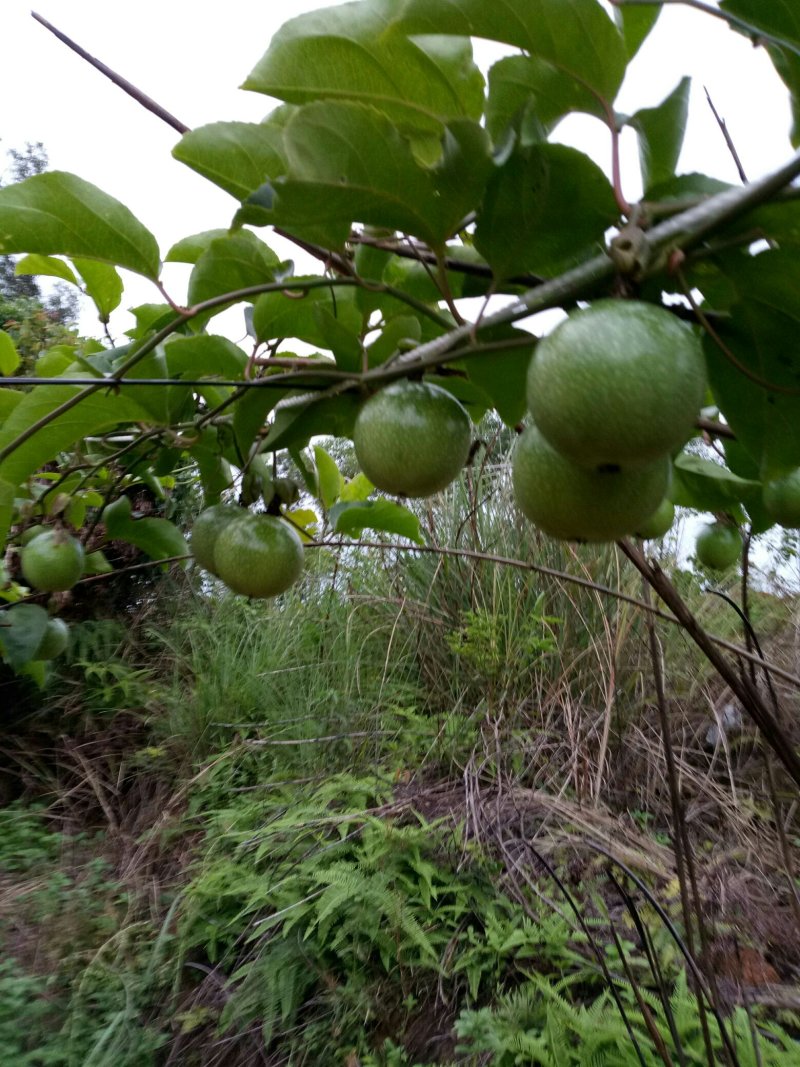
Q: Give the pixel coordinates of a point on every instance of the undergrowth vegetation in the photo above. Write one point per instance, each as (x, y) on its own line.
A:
(413, 813)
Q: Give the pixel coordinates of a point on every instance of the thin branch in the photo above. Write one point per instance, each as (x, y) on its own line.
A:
(726, 134)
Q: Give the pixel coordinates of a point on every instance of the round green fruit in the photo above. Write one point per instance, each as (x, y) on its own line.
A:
(576, 504)
(258, 556)
(208, 525)
(782, 500)
(412, 438)
(30, 533)
(620, 382)
(53, 561)
(718, 545)
(54, 641)
(659, 523)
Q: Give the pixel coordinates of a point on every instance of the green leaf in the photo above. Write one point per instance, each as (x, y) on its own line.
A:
(543, 208)
(278, 315)
(661, 131)
(527, 85)
(400, 330)
(763, 335)
(299, 419)
(237, 156)
(333, 182)
(575, 36)
(250, 414)
(98, 411)
(189, 249)
(21, 631)
(357, 488)
(699, 483)
(215, 471)
(635, 23)
(353, 53)
(157, 538)
(329, 477)
(59, 214)
(8, 494)
(204, 355)
(9, 398)
(232, 262)
(9, 357)
(503, 375)
(351, 517)
(103, 285)
(780, 20)
(47, 266)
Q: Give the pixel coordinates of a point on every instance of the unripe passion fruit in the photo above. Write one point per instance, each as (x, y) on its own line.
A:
(718, 545)
(54, 641)
(207, 527)
(575, 504)
(258, 556)
(782, 500)
(659, 523)
(620, 382)
(412, 438)
(53, 561)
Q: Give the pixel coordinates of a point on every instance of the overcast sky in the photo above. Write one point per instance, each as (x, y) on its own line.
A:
(190, 56)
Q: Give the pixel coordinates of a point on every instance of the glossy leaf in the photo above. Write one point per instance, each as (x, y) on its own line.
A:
(9, 357)
(98, 411)
(157, 538)
(520, 85)
(21, 631)
(329, 477)
(332, 182)
(358, 487)
(299, 419)
(635, 23)
(103, 285)
(575, 36)
(353, 53)
(502, 375)
(763, 336)
(59, 214)
(661, 131)
(236, 156)
(189, 249)
(291, 313)
(385, 516)
(403, 330)
(545, 206)
(232, 262)
(207, 355)
(46, 266)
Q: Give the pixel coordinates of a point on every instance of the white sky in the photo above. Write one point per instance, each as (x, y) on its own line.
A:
(190, 56)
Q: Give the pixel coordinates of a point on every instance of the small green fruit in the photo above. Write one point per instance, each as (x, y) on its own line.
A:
(30, 533)
(659, 523)
(53, 561)
(575, 504)
(620, 382)
(782, 500)
(208, 525)
(54, 641)
(412, 438)
(258, 556)
(718, 545)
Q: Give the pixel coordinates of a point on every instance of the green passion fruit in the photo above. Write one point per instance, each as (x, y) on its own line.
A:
(659, 523)
(575, 504)
(258, 556)
(207, 527)
(412, 438)
(53, 561)
(718, 545)
(54, 641)
(620, 382)
(782, 500)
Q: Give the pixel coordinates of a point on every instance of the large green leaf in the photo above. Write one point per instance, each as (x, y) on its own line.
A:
(237, 156)
(189, 249)
(47, 266)
(351, 517)
(59, 214)
(502, 375)
(543, 208)
(158, 538)
(235, 261)
(206, 355)
(329, 476)
(661, 131)
(299, 419)
(635, 24)
(351, 52)
(575, 36)
(763, 336)
(520, 85)
(333, 180)
(779, 19)
(98, 411)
